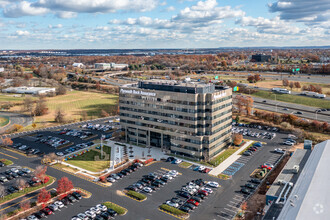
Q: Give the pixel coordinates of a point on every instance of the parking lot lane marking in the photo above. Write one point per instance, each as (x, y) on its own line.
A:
(236, 203)
(234, 207)
(9, 155)
(169, 170)
(230, 210)
(237, 199)
(224, 217)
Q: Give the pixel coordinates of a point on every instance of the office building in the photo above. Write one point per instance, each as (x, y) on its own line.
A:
(261, 58)
(190, 119)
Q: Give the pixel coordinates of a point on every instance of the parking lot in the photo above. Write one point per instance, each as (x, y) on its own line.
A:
(64, 140)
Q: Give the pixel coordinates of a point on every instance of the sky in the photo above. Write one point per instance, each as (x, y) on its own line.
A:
(134, 24)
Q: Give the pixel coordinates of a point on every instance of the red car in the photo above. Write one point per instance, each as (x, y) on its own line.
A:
(206, 170)
(252, 149)
(47, 211)
(267, 167)
(204, 192)
(191, 201)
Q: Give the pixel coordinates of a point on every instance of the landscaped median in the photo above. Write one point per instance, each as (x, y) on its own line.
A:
(185, 164)
(120, 210)
(135, 195)
(173, 211)
(6, 162)
(250, 145)
(26, 191)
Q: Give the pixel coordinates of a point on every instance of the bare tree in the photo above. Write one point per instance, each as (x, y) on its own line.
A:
(61, 90)
(2, 191)
(28, 104)
(59, 116)
(21, 183)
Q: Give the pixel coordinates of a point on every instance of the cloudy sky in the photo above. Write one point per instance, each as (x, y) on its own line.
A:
(107, 24)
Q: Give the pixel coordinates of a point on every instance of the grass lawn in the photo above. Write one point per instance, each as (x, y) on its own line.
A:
(120, 210)
(87, 162)
(302, 100)
(3, 121)
(223, 156)
(6, 162)
(185, 164)
(73, 104)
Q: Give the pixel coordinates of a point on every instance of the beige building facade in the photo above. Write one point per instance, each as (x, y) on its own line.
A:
(190, 119)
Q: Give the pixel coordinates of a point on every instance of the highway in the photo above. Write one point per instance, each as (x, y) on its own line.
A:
(276, 106)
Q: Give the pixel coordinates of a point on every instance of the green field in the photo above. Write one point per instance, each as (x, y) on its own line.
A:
(4, 97)
(87, 161)
(302, 100)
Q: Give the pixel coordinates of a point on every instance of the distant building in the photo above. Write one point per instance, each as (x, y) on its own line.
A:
(2, 69)
(79, 65)
(261, 58)
(119, 66)
(102, 66)
(30, 90)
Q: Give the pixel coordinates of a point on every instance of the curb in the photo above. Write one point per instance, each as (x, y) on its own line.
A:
(173, 214)
(135, 199)
(89, 194)
(119, 206)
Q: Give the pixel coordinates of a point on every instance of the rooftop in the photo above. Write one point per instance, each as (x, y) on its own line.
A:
(309, 198)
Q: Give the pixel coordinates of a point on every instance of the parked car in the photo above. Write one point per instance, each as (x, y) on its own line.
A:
(247, 153)
(194, 202)
(279, 151)
(173, 204)
(245, 191)
(213, 184)
(250, 186)
(76, 195)
(257, 181)
(47, 211)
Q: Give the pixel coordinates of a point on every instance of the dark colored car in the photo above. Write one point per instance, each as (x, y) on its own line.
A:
(164, 179)
(12, 189)
(76, 195)
(202, 196)
(250, 186)
(40, 214)
(254, 180)
(105, 215)
(199, 182)
(160, 182)
(156, 184)
(177, 200)
(191, 206)
(184, 194)
(170, 159)
(98, 217)
(65, 201)
(112, 212)
(134, 188)
(120, 175)
(245, 191)
(21, 173)
(185, 209)
(198, 199)
(14, 175)
(71, 198)
(146, 181)
(2, 164)
(9, 177)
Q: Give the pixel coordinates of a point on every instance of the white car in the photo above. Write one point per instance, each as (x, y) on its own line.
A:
(269, 165)
(26, 170)
(208, 190)
(201, 168)
(168, 177)
(32, 217)
(90, 214)
(147, 189)
(288, 143)
(59, 204)
(95, 210)
(279, 150)
(101, 207)
(82, 216)
(111, 179)
(59, 154)
(213, 184)
(173, 173)
(173, 204)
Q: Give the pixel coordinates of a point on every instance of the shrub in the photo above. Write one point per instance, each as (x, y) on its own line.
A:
(172, 210)
(136, 195)
(120, 210)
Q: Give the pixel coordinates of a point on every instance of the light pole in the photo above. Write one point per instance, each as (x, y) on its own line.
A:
(316, 114)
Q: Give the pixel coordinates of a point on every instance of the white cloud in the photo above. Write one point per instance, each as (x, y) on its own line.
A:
(22, 33)
(55, 26)
(66, 14)
(23, 8)
(169, 9)
(308, 11)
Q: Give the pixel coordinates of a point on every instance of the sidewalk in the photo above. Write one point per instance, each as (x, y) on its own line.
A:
(226, 163)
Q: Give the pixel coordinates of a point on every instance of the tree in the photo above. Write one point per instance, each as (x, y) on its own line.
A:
(61, 90)
(25, 204)
(237, 139)
(64, 185)
(59, 116)
(2, 191)
(43, 196)
(285, 82)
(28, 104)
(257, 78)
(21, 183)
(41, 107)
(6, 141)
(250, 79)
(291, 85)
(40, 172)
(297, 85)
(237, 119)
(17, 127)
(104, 113)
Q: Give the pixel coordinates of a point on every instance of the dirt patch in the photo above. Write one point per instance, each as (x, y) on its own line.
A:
(257, 202)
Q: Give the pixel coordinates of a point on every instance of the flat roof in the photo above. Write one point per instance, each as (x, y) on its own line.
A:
(299, 158)
(310, 197)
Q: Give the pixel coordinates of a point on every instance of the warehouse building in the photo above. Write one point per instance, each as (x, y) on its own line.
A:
(190, 119)
(30, 90)
(309, 197)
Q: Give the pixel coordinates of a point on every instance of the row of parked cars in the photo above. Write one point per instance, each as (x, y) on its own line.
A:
(26, 149)
(75, 148)
(56, 206)
(99, 127)
(253, 148)
(76, 133)
(54, 142)
(13, 173)
(248, 132)
(149, 183)
(250, 186)
(256, 126)
(192, 194)
(98, 212)
(117, 176)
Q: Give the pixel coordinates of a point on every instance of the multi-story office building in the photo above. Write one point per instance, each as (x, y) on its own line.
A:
(192, 119)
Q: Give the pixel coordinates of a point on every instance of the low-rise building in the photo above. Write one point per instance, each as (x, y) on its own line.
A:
(30, 90)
